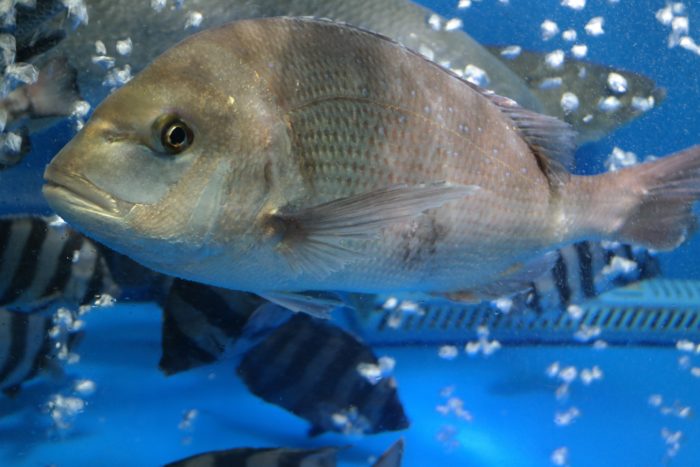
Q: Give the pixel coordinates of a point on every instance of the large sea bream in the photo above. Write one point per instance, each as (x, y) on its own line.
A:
(292, 154)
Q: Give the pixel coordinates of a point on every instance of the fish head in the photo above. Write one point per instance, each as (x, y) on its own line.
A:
(170, 159)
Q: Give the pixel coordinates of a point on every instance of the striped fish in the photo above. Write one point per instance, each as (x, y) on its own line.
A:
(282, 457)
(200, 322)
(583, 271)
(311, 368)
(275, 348)
(25, 347)
(42, 263)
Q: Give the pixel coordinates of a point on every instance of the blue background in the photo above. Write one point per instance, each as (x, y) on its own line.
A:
(133, 417)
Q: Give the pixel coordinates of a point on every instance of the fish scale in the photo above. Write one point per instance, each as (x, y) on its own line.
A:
(408, 151)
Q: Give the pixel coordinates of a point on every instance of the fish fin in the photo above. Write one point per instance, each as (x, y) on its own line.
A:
(589, 83)
(551, 140)
(662, 215)
(392, 456)
(56, 90)
(310, 237)
(313, 304)
(517, 278)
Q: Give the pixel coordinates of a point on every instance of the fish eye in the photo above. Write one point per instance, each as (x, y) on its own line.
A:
(175, 135)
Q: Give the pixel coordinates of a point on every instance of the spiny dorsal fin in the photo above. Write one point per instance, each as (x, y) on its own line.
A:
(551, 140)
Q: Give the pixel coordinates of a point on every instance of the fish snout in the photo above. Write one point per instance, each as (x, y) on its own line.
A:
(66, 189)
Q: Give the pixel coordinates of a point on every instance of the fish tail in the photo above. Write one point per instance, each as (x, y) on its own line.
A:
(661, 196)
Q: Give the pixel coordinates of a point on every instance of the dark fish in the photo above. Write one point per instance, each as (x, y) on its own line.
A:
(25, 347)
(370, 171)
(43, 261)
(312, 368)
(43, 264)
(282, 457)
(200, 323)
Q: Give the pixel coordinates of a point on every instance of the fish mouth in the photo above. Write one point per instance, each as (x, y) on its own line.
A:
(77, 192)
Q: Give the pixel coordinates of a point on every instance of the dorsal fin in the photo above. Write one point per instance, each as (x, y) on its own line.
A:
(551, 140)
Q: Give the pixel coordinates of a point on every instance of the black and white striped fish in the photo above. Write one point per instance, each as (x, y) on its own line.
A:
(25, 347)
(312, 368)
(584, 270)
(282, 457)
(42, 260)
(42, 263)
(200, 322)
(301, 363)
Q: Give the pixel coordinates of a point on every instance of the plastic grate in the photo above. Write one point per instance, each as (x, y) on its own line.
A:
(653, 312)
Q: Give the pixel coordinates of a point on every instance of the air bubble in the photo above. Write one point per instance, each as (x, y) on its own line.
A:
(609, 104)
(548, 29)
(579, 50)
(617, 83)
(193, 19)
(577, 5)
(595, 26)
(124, 46)
(511, 52)
(555, 59)
(569, 102)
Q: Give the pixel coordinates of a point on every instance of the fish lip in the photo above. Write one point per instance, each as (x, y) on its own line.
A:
(78, 191)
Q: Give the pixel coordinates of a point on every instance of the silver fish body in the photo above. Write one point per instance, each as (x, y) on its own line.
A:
(297, 154)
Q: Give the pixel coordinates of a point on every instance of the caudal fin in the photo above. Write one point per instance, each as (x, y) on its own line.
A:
(663, 215)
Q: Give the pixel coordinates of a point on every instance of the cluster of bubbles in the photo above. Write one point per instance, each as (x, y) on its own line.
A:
(374, 373)
(453, 407)
(399, 309)
(676, 409)
(350, 422)
(114, 76)
(686, 362)
(482, 345)
(63, 408)
(674, 15)
(193, 19)
(186, 424)
(568, 374)
(470, 72)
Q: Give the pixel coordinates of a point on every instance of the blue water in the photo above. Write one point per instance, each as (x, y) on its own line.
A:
(133, 417)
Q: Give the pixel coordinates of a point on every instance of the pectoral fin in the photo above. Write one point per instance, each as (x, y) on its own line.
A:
(311, 238)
